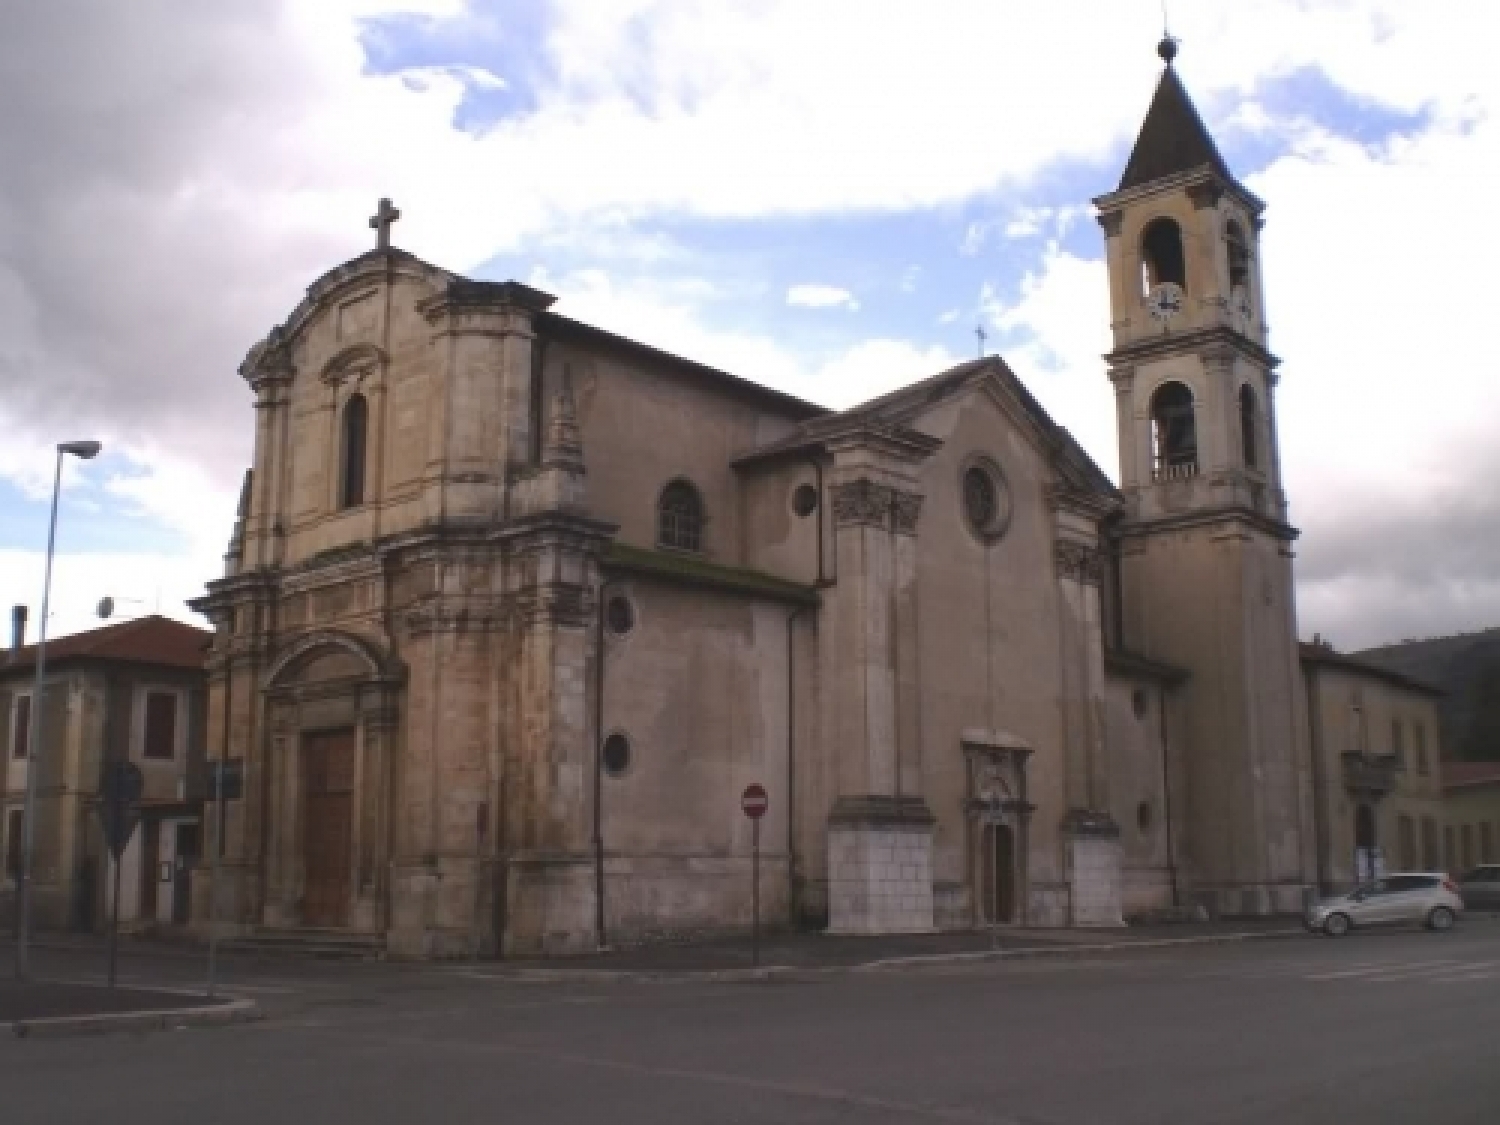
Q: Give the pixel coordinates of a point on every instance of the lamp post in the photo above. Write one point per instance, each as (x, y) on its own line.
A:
(85, 450)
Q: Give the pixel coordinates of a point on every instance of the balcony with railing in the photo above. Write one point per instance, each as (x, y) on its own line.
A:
(1185, 470)
(1370, 776)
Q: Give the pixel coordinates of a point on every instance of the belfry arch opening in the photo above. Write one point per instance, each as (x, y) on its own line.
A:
(1174, 433)
(1237, 250)
(1249, 424)
(1162, 259)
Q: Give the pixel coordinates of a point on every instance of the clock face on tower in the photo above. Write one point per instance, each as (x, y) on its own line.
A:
(1165, 301)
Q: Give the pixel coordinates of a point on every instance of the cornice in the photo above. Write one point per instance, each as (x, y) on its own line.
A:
(1139, 528)
(1199, 340)
(1202, 177)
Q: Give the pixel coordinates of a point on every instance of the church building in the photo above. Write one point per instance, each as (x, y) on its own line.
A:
(515, 609)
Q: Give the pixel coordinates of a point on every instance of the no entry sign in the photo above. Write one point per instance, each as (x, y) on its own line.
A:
(754, 801)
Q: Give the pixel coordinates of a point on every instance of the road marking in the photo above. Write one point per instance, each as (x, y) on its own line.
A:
(1385, 967)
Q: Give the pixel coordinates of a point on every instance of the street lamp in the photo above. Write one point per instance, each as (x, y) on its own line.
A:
(87, 451)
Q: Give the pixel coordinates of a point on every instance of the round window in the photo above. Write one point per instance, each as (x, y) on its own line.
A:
(616, 754)
(1143, 817)
(619, 614)
(986, 500)
(805, 500)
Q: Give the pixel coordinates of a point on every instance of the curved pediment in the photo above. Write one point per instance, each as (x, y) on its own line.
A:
(271, 356)
(359, 362)
(331, 654)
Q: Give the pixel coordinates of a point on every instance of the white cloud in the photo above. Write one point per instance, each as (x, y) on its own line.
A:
(875, 367)
(191, 167)
(821, 297)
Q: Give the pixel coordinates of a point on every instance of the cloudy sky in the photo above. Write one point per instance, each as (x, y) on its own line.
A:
(826, 196)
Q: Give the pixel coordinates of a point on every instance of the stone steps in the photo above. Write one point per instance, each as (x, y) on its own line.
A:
(345, 945)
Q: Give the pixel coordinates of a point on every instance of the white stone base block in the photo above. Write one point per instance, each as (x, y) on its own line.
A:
(880, 868)
(1095, 877)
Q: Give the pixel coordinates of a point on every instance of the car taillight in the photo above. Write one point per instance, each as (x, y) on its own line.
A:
(1450, 886)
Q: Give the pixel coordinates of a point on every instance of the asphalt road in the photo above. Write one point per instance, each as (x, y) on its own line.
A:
(1374, 1028)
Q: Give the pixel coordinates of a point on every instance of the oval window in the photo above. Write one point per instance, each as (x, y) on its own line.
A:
(986, 500)
(616, 754)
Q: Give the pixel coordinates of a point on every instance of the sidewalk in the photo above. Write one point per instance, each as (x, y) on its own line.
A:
(50, 1007)
(782, 952)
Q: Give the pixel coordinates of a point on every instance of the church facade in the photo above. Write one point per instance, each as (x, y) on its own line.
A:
(515, 608)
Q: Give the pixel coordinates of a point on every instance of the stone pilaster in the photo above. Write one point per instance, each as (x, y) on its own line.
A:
(879, 829)
(548, 857)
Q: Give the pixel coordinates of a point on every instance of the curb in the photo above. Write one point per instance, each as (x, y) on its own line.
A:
(154, 1019)
(882, 965)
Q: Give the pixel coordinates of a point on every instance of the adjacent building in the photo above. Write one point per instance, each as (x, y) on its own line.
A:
(132, 691)
(1378, 774)
(1471, 798)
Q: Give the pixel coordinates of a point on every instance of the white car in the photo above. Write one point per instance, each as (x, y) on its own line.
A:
(1429, 898)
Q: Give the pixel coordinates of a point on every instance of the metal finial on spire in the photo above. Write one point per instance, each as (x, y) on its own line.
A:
(1167, 48)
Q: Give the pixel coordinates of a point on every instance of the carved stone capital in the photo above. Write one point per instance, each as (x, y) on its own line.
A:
(268, 366)
(905, 508)
(862, 502)
(1077, 562)
(1112, 223)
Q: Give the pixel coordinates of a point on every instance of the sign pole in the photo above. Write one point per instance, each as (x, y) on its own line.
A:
(213, 878)
(755, 893)
(114, 921)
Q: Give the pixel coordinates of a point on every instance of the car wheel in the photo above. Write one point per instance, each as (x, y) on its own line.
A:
(1336, 925)
(1440, 918)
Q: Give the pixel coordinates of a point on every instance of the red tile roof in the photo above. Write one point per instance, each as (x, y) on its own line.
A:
(143, 640)
(1458, 775)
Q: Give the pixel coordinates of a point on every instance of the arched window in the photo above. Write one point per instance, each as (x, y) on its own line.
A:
(679, 517)
(1249, 421)
(1161, 255)
(1237, 248)
(1174, 433)
(352, 452)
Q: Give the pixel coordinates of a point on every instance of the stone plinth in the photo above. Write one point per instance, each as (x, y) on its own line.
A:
(1092, 843)
(880, 866)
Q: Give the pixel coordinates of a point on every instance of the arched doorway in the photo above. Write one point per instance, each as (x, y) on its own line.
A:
(330, 745)
(997, 874)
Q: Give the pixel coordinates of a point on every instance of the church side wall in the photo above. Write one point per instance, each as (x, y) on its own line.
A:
(699, 688)
(1134, 728)
(643, 428)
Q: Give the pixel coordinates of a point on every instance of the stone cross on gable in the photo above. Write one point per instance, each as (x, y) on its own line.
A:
(981, 335)
(381, 222)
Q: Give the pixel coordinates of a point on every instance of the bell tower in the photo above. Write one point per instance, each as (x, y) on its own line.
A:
(1205, 549)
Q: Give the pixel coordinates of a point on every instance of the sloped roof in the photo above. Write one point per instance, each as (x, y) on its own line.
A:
(1461, 775)
(1173, 138)
(899, 407)
(1326, 654)
(144, 640)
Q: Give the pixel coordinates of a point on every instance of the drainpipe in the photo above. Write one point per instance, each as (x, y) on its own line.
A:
(794, 896)
(819, 513)
(600, 934)
(1166, 796)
